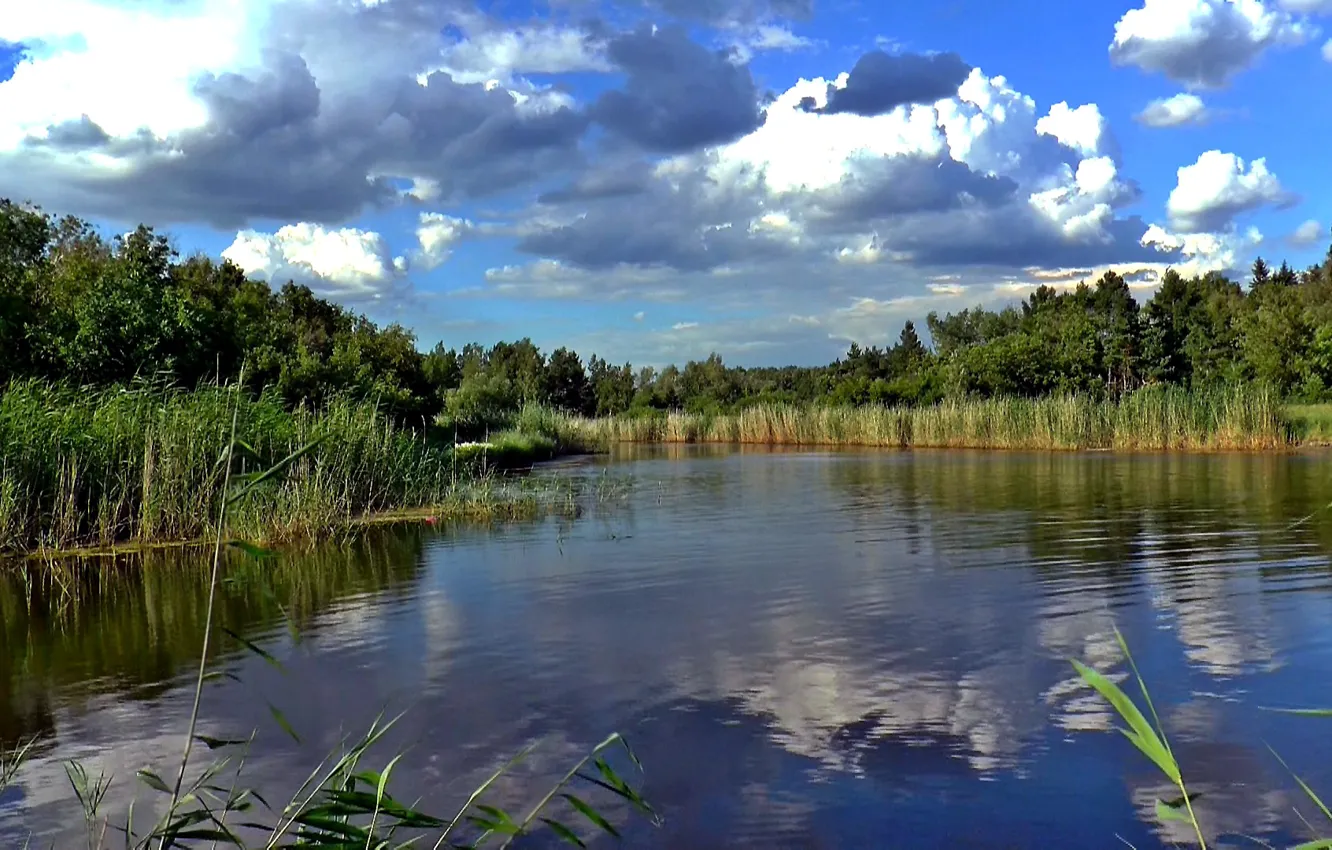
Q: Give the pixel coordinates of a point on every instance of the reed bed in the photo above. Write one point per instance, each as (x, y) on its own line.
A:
(95, 468)
(1156, 418)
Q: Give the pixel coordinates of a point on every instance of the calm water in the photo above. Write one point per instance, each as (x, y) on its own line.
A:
(806, 649)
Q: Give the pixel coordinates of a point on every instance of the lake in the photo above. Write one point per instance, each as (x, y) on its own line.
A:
(806, 649)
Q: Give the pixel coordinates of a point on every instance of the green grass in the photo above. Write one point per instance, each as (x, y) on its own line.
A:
(1311, 424)
(1152, 418)
(81, 468)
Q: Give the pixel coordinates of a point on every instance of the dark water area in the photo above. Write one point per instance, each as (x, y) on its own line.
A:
(807, 650)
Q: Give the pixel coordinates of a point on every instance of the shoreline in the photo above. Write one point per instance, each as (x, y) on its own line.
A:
(524, 506)
(504, 507)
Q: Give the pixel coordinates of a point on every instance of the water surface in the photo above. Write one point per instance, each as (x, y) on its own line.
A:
(807, 650)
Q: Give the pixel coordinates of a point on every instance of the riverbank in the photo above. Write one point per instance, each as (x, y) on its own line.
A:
(1238, 419)
(101, 470)
(113, 470)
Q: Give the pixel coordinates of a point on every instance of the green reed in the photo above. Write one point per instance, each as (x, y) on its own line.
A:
(82, 467)
(1235, 418)
(1146, 732)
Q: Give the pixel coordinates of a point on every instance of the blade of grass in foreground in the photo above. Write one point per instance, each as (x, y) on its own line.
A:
(1148, 738)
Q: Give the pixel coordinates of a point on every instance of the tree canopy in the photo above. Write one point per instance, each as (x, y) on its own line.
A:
(76, 307)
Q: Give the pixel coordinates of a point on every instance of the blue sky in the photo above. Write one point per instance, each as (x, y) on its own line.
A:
(653, 180)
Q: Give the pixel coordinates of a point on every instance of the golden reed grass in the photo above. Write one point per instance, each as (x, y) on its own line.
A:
(1243, 419)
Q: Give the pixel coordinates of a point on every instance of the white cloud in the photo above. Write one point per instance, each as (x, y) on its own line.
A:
(1202, 42)
(1327, 50)
(1218, 187)
(684, 326)
(346, 264)
(499, 54)
(947, 288)
(773, 37)
(1084, 208)
(868, 251)
(1081, 129)
(766, 38)
(639, 316)
(1174, 111)
(437, 234)
(1204, 252)
(424, 190)
(547, 278)
(1307, 234)
(124, 67)
(797, 150)
(989, 127)
(231, 111)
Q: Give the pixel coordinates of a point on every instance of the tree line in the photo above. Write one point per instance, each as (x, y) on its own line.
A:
(77, 307)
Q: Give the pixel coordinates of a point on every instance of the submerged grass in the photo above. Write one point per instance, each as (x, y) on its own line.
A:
(82, 468)
(1241, 418)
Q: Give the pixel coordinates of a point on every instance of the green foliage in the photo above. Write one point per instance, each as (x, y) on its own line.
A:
(75, 307)
(80, 309)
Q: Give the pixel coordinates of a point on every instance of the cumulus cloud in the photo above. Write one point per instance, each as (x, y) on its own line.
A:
(1175, 111)
(678, 95)
(1225, 251)
(437, 234)
(1083, 129)
(880, 82)
(1211, 192)
(1327, 50)
(979, 178)
(260, 116)
(347, 264)
(1202, 43)
(1308, 233)
(683, 180)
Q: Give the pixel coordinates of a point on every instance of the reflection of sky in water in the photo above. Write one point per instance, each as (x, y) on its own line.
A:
(824, 650)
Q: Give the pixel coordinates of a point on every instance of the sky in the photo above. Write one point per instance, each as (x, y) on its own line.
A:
(656, 180)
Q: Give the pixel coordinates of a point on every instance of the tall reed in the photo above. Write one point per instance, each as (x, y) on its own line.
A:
(1152, 418)
(96, 467)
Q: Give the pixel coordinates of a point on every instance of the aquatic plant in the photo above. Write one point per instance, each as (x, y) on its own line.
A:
(99, 467)
(1149, 737)
(1243, 418)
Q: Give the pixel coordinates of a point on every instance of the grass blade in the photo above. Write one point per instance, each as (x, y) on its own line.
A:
(1140, 732)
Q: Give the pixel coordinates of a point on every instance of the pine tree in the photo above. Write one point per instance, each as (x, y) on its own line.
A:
(1285, 276)
(913, 350)
(1261, 274)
